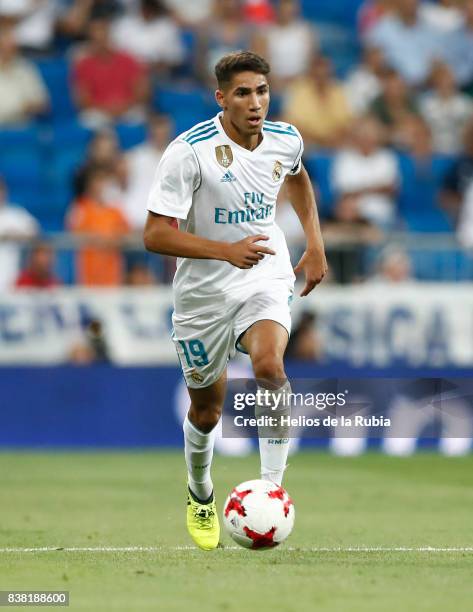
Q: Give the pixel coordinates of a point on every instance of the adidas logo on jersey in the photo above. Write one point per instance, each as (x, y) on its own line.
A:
(228, 177)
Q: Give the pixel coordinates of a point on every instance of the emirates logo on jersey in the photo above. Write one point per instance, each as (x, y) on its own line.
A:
(224, 155)
(277, 171)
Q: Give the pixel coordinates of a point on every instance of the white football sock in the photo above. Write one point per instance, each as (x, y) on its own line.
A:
(198, 450)
(274, 450)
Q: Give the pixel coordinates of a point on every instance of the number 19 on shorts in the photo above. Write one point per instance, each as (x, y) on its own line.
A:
(194, 353)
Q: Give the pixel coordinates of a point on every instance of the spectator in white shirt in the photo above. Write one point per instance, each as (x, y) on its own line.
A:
(458, 48)
(142, 162)
(365, 178)
(151, 35)
(16, 226)
(446, 110)
(191, 13)
(289, 44)
(363, 84)
(409, 44)
(34, 22)
(444, 15)
(22, 92)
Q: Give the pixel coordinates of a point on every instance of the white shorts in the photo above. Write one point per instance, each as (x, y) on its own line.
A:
(206, 339)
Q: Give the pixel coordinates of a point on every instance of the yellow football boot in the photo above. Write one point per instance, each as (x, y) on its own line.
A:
(202, 523)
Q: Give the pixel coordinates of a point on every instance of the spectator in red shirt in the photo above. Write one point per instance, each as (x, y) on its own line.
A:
(109, 85)
(38, 273)
(259, 12)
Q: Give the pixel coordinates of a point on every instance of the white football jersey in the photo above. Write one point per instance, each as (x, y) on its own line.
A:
(221, 191)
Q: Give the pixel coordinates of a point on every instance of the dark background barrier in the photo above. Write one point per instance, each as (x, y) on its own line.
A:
(110, 407)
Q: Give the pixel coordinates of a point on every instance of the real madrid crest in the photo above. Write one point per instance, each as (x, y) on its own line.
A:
(277, 171)
(224, 155)
(196, 377)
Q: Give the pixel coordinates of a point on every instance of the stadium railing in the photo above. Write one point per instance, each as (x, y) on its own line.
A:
(352, 256)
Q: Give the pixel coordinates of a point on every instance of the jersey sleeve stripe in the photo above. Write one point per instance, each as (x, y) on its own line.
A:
(279, 126)
(199, 133)
(199, 128)
(193, 141)
(286, 132)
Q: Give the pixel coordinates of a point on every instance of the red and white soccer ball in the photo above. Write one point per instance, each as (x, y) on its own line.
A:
(258, 514)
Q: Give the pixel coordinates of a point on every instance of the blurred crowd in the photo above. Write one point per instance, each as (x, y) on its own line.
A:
(395, 122)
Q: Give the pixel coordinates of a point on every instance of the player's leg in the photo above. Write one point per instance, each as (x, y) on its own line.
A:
(265, 341)
(199, 436)
(203, 344)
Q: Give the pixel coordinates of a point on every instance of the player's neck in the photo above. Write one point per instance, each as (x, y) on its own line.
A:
(247, 141)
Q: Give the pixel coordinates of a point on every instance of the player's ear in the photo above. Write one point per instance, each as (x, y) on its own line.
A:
(220, 98)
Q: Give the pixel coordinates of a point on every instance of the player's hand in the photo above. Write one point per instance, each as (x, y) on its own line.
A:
(314, 265)
(246, 253)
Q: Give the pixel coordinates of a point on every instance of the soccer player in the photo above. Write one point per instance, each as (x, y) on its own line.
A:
(234, 279)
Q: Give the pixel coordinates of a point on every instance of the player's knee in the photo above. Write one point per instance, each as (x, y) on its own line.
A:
(205, 418)
(269, 367)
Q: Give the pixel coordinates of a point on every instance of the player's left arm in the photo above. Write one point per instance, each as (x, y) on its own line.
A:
(313, 262)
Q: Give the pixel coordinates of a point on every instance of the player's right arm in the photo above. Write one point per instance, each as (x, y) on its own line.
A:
(160, 236)
(177, 177)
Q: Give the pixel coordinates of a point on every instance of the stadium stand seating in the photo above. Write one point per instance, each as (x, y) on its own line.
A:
(418, 197)
(22, 165)
(64, 151)
(55, 72)
(344, 13)
(186, 103)
(319, 167)
(38, 162)
(130, 135)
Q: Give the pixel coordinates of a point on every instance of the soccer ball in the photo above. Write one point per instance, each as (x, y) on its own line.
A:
(258, 514)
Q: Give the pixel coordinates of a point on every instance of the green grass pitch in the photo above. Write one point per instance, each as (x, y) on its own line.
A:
(93, 500)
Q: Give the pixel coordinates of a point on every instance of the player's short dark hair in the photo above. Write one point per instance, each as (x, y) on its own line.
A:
(239, 61)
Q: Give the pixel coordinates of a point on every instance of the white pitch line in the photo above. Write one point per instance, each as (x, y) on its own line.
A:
(151, 549)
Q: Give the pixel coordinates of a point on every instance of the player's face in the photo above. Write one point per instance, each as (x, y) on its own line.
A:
(246, 101)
